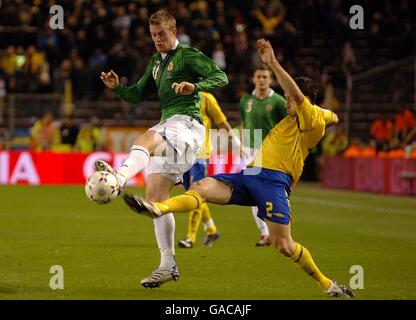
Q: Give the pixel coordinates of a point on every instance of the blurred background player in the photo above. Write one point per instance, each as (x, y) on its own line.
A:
(68, 134)
(260, 110)
(170, 147)
(211, 113)
(268, 181)
(90, 137)
(45, 134)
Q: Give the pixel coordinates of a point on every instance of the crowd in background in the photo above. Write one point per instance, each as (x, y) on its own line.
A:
(101, 35)
(59, 135)
(64, 136)
(311, 38)
(389, 138)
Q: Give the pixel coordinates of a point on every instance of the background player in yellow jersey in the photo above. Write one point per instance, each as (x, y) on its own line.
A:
(260, 110)
(211, 114)
(268, 182)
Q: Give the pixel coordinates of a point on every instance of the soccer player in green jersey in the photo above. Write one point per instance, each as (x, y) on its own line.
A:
(169, 148)
(260, 112)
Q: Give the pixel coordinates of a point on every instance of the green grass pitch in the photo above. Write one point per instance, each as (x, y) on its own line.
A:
(106, 250)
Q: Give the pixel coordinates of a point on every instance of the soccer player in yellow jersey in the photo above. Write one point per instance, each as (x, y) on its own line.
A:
(260, 111)
(211, 114)
(275, 170)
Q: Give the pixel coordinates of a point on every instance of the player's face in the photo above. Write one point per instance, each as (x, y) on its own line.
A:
(290, 106)
(262, 80)
(163, 37)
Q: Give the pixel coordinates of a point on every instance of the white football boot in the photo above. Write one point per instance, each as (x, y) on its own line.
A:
(186, 243)
(161, 276)
(339, 290)
(101, 165)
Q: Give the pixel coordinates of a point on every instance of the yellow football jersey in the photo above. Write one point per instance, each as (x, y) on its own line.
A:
(287, 145)
(211, 113)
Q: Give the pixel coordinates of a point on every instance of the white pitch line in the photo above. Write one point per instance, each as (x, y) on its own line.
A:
(349, 205)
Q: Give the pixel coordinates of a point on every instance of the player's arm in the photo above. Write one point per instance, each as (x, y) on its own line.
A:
(212, 76)
(134, 93)
(287, 83)
(330, 118)
(310, 117)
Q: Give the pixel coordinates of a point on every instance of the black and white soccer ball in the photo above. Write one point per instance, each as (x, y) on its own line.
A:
(102, 187)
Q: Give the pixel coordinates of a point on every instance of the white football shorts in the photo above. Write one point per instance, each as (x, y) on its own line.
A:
(184, 136)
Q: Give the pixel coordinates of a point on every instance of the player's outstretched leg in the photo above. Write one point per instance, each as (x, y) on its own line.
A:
(142, 206)
(188, 201)
(303, 259)
(101, 165)
(138, 158)
(282, 239)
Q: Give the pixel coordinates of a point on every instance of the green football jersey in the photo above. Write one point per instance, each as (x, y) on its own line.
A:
(261, 114)
(181, 64)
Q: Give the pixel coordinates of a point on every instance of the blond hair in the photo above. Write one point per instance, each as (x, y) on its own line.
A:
(162, 16)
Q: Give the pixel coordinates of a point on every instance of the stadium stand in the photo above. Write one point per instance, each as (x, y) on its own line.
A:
(100, 35)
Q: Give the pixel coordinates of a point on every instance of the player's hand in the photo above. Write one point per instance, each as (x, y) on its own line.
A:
(183, 87)
(110, 79)
(265, 51)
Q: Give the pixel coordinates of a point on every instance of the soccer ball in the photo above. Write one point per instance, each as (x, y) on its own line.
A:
(102, 187)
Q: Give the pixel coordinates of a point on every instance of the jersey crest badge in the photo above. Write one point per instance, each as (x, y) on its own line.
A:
(170, 66)
(269, 107)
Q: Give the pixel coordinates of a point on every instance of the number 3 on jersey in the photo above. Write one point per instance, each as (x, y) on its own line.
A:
(249, 106)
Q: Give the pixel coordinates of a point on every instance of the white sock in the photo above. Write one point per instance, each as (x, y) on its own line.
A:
(261, 225)
(167, 259)
(137, 160)
(165, 237)
(209, 224)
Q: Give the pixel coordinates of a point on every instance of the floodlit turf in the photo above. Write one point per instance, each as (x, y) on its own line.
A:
(106, 250)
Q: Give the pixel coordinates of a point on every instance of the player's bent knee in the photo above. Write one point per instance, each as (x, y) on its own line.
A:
(199, 187)
(283, 247)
